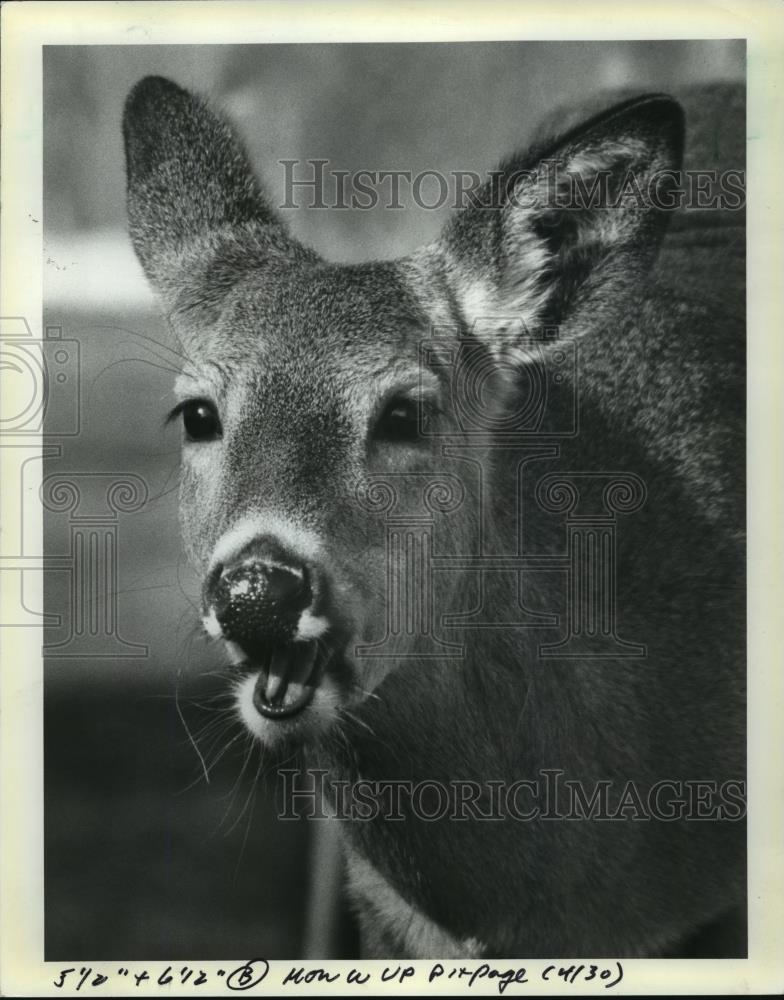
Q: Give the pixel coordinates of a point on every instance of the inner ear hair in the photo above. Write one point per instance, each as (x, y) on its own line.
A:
(568, 221)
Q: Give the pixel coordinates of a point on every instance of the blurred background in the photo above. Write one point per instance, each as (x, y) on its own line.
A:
(144, 858)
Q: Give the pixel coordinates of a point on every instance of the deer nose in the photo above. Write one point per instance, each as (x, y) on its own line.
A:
(259, 601)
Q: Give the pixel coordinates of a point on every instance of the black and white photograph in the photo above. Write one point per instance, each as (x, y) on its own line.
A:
(379, 471)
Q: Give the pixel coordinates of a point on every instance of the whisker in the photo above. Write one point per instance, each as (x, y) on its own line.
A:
(190, 737)
(231, 795)
(252, 798)
(248, 756)
(360, 722)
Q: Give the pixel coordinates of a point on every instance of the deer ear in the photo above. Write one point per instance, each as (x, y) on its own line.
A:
(559, 236)
(191, 189)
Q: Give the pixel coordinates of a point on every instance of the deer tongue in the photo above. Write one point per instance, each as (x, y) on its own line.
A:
(284, 687)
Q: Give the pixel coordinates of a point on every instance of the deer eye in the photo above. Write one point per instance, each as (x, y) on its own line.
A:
(199, 418)
(399, 422)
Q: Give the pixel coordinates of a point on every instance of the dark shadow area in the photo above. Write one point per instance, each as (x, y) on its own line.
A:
(144, 861)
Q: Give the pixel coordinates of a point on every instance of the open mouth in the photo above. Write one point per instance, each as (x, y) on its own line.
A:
(287, 678)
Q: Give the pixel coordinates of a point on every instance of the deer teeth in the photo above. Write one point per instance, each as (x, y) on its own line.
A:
(276, 680)
(289, 670)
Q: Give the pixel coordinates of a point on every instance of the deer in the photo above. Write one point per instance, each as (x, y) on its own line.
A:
(472, 520)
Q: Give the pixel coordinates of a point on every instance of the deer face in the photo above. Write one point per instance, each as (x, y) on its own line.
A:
(302, 399)
(312, 418)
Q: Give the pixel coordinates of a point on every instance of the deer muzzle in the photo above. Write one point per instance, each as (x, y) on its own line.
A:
(259, 603)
